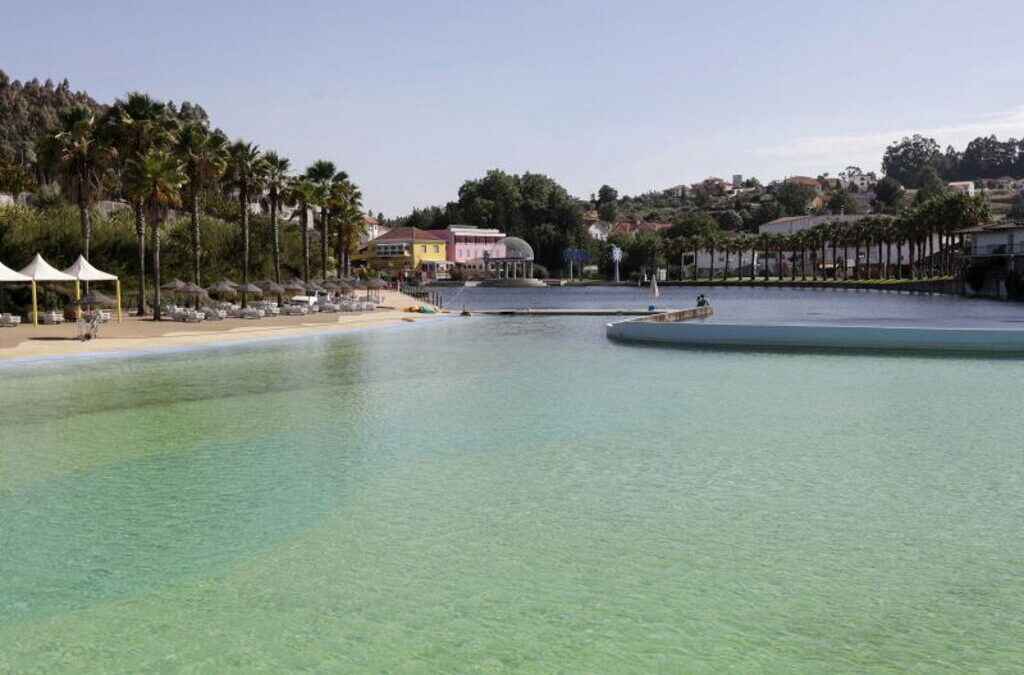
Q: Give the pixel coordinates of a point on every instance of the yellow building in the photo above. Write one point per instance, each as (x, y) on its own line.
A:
(405, 251)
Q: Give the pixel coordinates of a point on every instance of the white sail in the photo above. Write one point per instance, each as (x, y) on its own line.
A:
(655, 293)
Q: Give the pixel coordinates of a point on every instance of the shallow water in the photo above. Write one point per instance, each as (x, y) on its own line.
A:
(510, 494)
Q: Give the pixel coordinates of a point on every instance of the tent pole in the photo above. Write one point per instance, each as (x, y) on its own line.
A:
(117, 282)
(78, 296)
(35, 305)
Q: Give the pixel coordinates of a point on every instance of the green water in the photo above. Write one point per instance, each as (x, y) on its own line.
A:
(510, 495)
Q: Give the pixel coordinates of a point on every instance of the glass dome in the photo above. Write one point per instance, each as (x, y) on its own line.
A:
(515, 249)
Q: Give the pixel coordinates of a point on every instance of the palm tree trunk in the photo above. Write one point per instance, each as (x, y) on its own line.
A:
(243, 198)
(725, 270)
(197, 251)
(835, 273)
(899, 258)
(324, 225)
(711, 269)
(856, 261)
(140, 239)
(304, 224)
(739, 263)
(931, 253)
(86, 222)
(780, 264)
(275, 231)
(695, 262)
(154, 229)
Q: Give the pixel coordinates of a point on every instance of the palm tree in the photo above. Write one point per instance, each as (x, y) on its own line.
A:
(155, 181)
(321, 173)
(304, 195)
(204, 155)
(246, 173)
(351, 224)
(726, 244)
(79, 158)
(277, 184)
(134, 125)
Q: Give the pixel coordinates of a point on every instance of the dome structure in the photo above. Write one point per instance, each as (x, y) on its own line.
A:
(515, 249)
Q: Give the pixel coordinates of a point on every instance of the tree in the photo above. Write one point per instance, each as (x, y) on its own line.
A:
(304, 195)
(79, 158)
(246, 172)
(277, 185)
(607, 203)
(729, 220)
(155, 180)
(793, 197)
(906, 159)
(842, 202)
(695, 223)
(889, 194)
(204, 156)
(931, 185)
(321, 173)
(1017, 206)
(134, 125)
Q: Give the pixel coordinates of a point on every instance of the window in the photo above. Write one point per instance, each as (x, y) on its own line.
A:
(437, 248)
(423, 248)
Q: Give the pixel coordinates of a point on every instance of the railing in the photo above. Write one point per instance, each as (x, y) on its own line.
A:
(428, 296)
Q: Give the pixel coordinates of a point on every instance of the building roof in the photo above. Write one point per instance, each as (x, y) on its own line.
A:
(994, 226)
(407, 234)
(629, 227)
(803, 180)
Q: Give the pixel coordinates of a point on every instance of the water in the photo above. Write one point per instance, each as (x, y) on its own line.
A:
(493, 494)
(763, 305)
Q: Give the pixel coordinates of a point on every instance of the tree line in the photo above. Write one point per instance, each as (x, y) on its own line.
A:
(928, 232)
(157, 157)
(908, 160)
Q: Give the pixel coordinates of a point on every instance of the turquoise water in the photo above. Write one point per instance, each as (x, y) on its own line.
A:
(495, 494)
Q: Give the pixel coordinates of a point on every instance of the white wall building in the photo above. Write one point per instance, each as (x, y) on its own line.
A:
(965, 186)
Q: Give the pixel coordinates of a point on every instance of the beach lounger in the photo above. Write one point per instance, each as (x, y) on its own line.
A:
(50, 318)
(214, 313)
(9, 320)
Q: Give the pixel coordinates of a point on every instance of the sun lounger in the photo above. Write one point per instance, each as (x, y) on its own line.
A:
(9, 320)
(214, 313)
(49, 318)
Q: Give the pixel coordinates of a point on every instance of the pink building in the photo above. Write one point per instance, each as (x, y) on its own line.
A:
(466, 244)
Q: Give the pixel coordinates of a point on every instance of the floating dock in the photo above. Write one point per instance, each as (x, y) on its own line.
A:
(574, 312)
(667, 330)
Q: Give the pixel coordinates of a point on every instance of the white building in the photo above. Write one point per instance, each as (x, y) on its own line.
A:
(599, 230)
(965, 186)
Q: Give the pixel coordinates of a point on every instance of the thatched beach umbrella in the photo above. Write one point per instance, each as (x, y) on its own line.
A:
(193, 291)
(270, 286)
(374, 286)
(224, 288)
(250, 288)
(95, 299)
(295, 285)
(174, 285)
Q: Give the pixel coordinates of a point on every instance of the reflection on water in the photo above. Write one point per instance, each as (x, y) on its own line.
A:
(510, 494)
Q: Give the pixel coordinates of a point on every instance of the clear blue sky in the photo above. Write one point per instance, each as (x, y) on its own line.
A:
(413, 97)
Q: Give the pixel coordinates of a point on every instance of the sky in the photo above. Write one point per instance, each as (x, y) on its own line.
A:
(412, 98)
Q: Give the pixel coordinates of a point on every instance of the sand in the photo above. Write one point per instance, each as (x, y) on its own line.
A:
(30, 342)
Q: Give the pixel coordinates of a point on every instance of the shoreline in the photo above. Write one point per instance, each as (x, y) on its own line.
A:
(144, 336)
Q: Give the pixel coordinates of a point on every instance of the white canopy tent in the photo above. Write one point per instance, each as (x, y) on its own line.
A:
(9, 276)
(40, 270)
(83, 270)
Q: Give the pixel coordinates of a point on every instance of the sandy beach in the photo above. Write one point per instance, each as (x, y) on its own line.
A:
(28, 341)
